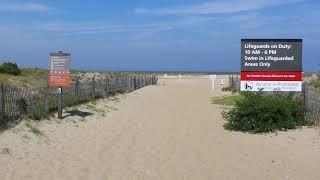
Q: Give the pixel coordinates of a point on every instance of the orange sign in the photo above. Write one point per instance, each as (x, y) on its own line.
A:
(59, 80)
(59, 70)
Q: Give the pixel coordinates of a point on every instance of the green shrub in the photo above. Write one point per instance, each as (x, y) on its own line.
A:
(10, 68)
(258, 113)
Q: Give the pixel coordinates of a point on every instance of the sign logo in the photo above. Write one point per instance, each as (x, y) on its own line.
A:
(248, 86)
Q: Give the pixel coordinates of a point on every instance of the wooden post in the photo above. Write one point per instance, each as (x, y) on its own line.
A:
(2, 104)
(60, 102)
(93, 88)
(132, 82)
(106, 86)
(76, 87)
(127, 84)
(47, 97)
(305, 94)
(143, 81)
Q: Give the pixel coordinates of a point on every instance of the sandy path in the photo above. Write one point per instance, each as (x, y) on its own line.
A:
(167, 132)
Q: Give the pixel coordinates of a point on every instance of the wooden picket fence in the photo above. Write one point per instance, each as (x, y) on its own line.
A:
(310, 95)
(16, 102)
(234, 83)
(312, 103)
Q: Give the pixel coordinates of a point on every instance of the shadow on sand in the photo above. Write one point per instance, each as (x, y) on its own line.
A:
(72, 113)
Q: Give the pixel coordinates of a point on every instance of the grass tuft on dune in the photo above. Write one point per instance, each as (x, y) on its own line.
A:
(227, 100)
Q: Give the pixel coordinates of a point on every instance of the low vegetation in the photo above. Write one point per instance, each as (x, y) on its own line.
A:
(228, 88)
(259, 113)
(316, 83)
(37, 77)
(27, 78)
(227, 100)
(33, 129)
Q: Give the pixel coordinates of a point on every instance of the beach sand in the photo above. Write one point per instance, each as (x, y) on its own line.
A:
(166, 132)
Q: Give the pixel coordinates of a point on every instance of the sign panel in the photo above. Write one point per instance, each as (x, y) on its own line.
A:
(59, 74)
(271, 55)
(293, 86)
(271, 76)
(270, 64)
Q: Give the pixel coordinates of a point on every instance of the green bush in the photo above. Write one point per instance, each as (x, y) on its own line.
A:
(258, 113)
(10, 68)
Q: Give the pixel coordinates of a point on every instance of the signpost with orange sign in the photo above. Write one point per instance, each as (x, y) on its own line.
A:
(59, 75)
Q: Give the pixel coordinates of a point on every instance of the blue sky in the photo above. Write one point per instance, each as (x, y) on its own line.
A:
(163, 35)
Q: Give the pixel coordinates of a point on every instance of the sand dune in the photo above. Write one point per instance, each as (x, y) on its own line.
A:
(165, 132)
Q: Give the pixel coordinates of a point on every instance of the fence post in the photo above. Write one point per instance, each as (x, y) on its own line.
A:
(60, 96)
(93, 87)
(47, 97)
(305, 94)
(76, 87)
(133, 83)
(2, 103)
(106, 85)
(143, 80)
(127, 84)
(148, 80)
(117, 84)
(305, 99)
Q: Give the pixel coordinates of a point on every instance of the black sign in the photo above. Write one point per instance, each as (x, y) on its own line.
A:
(271, 54)
(59, 61)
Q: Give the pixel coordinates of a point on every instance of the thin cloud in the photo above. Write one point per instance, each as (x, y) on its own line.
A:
(93, 28)
(217, 7)
(23, 7)
(142, 30)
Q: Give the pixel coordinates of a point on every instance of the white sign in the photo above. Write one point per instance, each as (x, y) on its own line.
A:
(295, 86)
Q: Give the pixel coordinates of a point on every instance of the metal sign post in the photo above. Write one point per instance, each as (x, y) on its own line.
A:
(59, 75)
(59, 102)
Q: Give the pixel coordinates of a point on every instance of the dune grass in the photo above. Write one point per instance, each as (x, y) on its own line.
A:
(227, 100)
(36, 77)
(32, 77)
(33, 129)
(315, 83)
